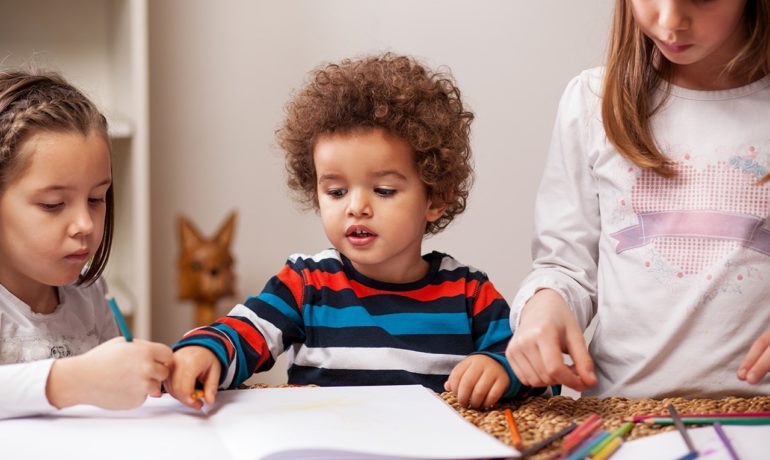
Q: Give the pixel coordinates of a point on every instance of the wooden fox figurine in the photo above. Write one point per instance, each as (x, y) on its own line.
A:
(205, 267)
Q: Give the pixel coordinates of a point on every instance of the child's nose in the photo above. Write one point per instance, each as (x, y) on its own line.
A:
(672, 15)
(82, 223)
(359, 204)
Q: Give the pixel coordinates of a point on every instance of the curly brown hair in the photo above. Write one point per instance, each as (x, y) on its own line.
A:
(390, 92)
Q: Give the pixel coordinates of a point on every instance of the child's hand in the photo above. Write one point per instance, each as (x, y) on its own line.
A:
(547, 329)
(114, 375)
(478, 381)
(756, 364)
(193, 364)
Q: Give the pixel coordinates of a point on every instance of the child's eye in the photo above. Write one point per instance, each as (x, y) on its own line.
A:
(384, 191)
(96, 201)
(336, 192)
(50, 206)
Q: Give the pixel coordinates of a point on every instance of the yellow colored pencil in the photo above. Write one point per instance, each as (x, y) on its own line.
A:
(608, 449)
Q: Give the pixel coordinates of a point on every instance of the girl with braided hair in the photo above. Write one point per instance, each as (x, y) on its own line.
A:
(57, 336)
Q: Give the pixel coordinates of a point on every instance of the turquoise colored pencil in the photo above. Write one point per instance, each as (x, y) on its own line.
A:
(120, 319)
(618, 433)
(711, 421)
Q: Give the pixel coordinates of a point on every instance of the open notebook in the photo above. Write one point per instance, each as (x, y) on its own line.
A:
(378, 422)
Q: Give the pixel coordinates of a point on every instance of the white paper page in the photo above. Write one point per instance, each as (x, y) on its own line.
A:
(366, 422)
(749, 442)
(161, 429)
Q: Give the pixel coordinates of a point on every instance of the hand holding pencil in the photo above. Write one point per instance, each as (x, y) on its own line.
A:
(118, 374)
(114, 375)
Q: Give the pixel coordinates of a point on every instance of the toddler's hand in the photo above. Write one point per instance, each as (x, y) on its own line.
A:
(546, 330)
(756, 364)
(113, 375)
(193, 364)
(478, 381)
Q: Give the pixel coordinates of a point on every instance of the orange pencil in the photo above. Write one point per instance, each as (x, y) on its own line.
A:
(197, 394)
(515, 436)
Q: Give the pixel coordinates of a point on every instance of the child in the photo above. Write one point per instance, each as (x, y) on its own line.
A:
(652, 212)
(380, 148)
(56, 211)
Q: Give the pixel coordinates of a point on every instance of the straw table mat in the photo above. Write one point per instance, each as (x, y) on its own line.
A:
(539, 417)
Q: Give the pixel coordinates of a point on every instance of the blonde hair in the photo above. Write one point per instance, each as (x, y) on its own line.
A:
(635, 68)
(31, 102)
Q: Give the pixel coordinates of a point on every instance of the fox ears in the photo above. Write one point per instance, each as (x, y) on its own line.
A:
(191, 238)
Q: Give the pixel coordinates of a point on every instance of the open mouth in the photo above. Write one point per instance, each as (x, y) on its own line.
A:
(360, 235)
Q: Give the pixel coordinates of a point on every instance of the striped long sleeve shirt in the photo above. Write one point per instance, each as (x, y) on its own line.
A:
(347, 329)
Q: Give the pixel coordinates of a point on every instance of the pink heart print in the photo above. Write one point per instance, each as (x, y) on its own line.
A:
(699, 216)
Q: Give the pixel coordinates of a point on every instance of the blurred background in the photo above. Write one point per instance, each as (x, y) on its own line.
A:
(195, 90)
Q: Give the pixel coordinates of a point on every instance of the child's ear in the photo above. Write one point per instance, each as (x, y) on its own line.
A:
(225, 233)
(436, 209)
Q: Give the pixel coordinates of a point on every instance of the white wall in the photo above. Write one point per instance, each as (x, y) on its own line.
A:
(221, 72)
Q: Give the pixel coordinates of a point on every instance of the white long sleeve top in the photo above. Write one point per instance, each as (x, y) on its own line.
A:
(677, 271)
(29, 343)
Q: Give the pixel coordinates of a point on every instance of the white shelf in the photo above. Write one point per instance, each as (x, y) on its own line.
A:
(101, 47)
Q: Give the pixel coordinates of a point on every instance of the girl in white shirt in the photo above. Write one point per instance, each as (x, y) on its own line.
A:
(652, 212)
(56, 221)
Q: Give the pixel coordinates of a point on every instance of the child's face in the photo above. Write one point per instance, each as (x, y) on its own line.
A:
(708, 33)
(373, 204)
(52, 214)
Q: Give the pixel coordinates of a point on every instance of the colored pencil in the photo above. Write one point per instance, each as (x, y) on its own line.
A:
(618, 433)
(119, 319)
(582, 450)
(726, 441)
(641, 418)
(682, 429)
(710, 421)
(608, 449)
(197, 394)
(515, 436)
(548, 441)
(582, 432)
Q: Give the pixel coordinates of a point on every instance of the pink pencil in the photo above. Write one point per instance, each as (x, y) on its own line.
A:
(582, 432)
(641, 418)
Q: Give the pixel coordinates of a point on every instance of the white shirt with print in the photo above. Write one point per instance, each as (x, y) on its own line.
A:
(677, 271)
(29, 342)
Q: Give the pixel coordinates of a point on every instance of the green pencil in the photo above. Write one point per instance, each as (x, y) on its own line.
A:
(710, 420)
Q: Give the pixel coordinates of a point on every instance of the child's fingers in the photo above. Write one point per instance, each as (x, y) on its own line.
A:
(211, 383)
(496, 392)
(584, 365)
(465, 385)
(556, 370)
(757, 349)
(525, 372)
(479, 391)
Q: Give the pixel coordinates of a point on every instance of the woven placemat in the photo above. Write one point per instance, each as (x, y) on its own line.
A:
(539, 417)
